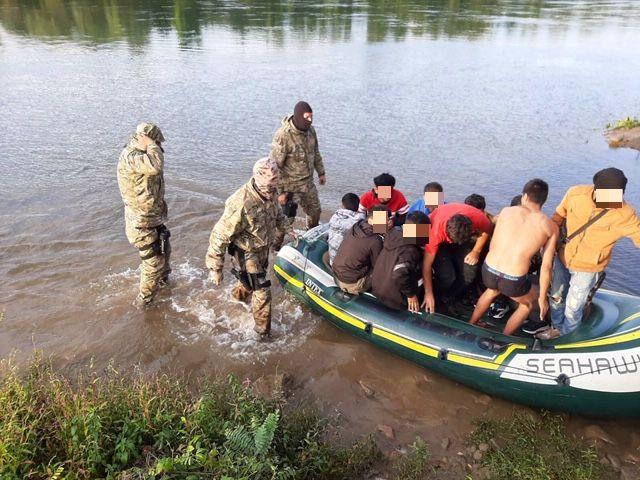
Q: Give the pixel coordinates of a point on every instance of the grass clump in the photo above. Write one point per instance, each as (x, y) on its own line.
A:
(529, 448)
(625, 123)
(415, 464)
(126, 426)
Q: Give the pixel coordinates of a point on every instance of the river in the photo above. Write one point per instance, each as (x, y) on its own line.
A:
(480, 96)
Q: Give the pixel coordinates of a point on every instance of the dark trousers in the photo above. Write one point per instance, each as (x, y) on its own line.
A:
(451, 275)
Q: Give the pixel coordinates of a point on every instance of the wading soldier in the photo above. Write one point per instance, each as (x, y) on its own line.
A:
(246, 230)
(295, 150)
(141, 182)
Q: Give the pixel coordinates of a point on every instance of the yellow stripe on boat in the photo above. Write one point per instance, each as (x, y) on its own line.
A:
(613, 340)
(296, 283)
(398, 339)
(335, 311)
(491, 365)
(405, 342)
(630, 317)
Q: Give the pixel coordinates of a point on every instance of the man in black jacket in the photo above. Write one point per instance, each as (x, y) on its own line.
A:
(359, 250)
(399, 265)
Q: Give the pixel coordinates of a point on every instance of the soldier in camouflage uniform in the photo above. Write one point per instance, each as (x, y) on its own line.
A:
(141, 182)
(247, 229)
(295, 150)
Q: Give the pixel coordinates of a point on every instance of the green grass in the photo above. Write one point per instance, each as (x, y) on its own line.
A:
(530, 448)
(127, 426)
(628, 122)
(414, 465)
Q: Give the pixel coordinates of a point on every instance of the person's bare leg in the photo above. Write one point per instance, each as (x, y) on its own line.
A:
(525, 304)
(484, 302)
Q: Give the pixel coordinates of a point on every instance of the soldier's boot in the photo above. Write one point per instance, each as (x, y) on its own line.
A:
(151, 271)
(240, 293)
(310, 204)
(261, 308)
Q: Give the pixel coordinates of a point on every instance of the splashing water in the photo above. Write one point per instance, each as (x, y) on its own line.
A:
(198, 310)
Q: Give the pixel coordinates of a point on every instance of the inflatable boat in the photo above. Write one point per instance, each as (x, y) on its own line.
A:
(593, 371)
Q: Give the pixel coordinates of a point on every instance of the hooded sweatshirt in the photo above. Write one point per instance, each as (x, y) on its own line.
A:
(358, 253)
(340, 222)
(397, 270)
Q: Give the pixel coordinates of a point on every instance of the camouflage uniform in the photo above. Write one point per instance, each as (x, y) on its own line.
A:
(141, 182)
(297, 155)
(249, 222)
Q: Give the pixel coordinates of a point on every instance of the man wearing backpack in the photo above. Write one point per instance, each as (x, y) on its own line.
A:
(596, 218)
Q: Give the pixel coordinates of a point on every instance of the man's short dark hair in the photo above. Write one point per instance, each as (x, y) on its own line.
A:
(610, 178)
(351, 201)
(537, 190)
(418, 218)
(476, 200)
(378, 208)
(384, 180)
(459, 229)
(433, 187)
(516, 201)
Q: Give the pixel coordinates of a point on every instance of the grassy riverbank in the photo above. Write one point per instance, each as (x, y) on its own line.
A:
(127, 426)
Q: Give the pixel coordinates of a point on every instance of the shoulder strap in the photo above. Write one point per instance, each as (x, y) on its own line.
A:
(586, 225)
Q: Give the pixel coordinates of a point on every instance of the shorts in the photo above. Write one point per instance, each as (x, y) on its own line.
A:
(508, 285)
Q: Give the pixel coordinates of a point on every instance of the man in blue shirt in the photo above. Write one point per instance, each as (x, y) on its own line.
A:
(433, 196)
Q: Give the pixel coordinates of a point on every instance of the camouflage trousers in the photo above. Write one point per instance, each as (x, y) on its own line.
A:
(307, 198)
(257, 263)
(154, 266)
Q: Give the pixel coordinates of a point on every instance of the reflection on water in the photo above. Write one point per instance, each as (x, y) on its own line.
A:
(101, 21)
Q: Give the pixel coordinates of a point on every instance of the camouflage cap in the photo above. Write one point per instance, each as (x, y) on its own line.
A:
(151, 130)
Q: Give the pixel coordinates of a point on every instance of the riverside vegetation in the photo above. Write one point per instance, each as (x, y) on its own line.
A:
(624, 123)
(127, 426)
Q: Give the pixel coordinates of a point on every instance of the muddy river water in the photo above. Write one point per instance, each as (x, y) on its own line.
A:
(480, 96)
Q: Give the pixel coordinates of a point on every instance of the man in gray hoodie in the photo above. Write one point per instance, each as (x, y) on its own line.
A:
(341, 221)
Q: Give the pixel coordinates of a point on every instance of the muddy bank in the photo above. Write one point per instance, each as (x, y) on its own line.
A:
(623, 137)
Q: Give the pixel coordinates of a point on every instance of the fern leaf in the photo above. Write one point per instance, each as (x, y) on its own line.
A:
(239, 441)
(264, 433)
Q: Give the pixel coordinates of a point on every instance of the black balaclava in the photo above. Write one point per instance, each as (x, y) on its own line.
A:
(610, 178)
(298, 116)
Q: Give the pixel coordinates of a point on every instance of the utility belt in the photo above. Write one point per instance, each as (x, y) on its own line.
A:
(160, 246)
(250, 281)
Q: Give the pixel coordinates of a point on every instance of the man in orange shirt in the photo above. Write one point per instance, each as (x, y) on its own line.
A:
(583, 257)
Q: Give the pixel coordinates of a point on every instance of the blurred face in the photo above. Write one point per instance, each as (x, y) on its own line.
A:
(433, 199)
(380, 221)
(418, 232)
(383, 193)
(608, 197)
(308, 116)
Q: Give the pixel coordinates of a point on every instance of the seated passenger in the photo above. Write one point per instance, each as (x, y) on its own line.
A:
(359, 250)
(582, 260)
(478, 201)
(397, 270)
(519, 234)
(516, 201)
(433, 196)
(451, 255)
(385, 193)
(342, 221)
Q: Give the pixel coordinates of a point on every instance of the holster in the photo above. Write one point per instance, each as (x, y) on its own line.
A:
(250, 281)
(163, 239)
(290, 208)
(161, 244)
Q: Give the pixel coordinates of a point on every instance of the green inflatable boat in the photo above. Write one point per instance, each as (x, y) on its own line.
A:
(593, 371)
